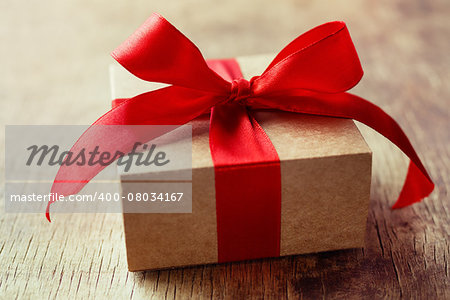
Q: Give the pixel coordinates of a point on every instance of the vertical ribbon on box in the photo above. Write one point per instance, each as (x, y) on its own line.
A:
(247, 176)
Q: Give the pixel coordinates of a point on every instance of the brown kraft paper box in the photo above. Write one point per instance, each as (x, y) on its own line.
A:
(325, 180)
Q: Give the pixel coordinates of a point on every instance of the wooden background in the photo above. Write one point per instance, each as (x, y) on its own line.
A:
(53, 70)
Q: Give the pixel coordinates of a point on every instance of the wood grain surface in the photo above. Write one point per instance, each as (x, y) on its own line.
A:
(54, 59)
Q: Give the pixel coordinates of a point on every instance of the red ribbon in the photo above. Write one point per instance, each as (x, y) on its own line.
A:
(311, 75)
(248, 197)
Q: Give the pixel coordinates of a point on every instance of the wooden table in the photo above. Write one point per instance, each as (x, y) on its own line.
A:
(54, 58)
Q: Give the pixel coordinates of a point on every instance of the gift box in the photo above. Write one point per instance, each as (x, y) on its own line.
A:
(286, 171)
(325, 187)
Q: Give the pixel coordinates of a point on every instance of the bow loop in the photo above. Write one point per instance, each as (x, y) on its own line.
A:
(322, 60)
(158, 52)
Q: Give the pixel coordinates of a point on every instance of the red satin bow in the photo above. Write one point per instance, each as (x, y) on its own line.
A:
(309, 76)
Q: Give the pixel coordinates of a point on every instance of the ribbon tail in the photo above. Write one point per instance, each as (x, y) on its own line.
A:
(418, 183)
(416, 187)
(108, 133)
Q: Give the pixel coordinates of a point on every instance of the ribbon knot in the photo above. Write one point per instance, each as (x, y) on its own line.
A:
(240, 91)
